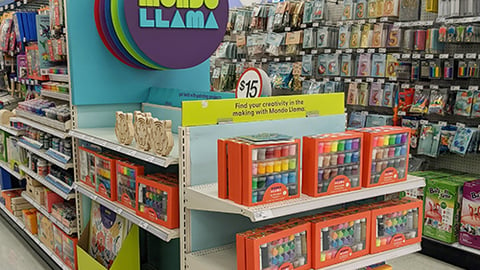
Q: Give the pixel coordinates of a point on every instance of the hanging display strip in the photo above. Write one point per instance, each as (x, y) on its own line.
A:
(205, 197)
(50, 253)
(105, 137)
(225, 258)
(157, 230)
(57, 95)
(7, 167)
(44, 211)
(56, 186)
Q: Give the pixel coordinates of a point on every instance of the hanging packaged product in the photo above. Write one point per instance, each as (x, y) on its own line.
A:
(307, 65)
(348, 10)
(355, 36)
(463, 103)
(344, 37)
(420, 101)
(409, 10)
(395, 224)
(364, 65)
(389, 94)
(395, 35)
(378, 65)
(376, 94)
(438, 100)
(331, 163)
(357, 120)
(352, 96)
(476, 104)
(347, 65)
(363, 97)
(461, 141)
(320, 10)
(361, 9)
(429, 141)
(259, 169)
(386, 151)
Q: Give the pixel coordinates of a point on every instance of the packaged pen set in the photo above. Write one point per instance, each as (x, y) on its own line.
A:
(259, 169)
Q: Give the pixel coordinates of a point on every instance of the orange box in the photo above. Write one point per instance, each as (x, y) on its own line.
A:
(127, 173)
(227, 170)
(105, 176)
(276, 177)
(87, 166)
(30, 220)
(340, 237)
(332, 163)
(70, 251)
(8, 195)
(157, 199)
(385, 152)
(51, 198)
(222, 163)
(286, 246)
(397, 225)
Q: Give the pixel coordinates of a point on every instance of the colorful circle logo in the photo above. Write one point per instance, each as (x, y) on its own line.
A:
(161, 34)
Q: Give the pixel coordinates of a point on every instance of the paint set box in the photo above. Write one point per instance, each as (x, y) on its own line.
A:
(470, 215)
(332, 163)
(105, 176)
(87, 166)
(385, 152)
(127, 173)
(396, 224)
(285, 245)
(157, 199)
(259, 169)
(340, 236)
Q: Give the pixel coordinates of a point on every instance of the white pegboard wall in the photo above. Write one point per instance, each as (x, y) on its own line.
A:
(467, 164)
(335, 11)
(427, 16)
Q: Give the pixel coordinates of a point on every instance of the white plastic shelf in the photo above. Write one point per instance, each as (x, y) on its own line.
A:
(12, 131)
(44, 211)
(205, 197)
(7, 168)
(56, 95)
(456, 245)
(48, 184)
(42, 153)
(226, 258)
(161, 232)
(63, 126)
(105, 137)
(58, 77)
(41, 127)
(50, 253)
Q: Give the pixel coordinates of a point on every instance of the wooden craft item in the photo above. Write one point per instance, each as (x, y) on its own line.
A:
(124, 129)
(142, 130)
(162, 137)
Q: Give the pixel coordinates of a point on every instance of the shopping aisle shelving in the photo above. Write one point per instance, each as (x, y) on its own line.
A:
(44, 154)
(7, 168)
(58, 187)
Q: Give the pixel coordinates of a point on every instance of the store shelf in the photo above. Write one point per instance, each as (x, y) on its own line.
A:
(43, 154)
(59, 77)
(7, 168)
(44, 211)
(60, 188)
(105, 137)
(56, 95)
(12, 131)
(456, 245)
(42, 127)
(225, 258)
(161, 232)
(204, 197)
(63, 126)
(50, 253)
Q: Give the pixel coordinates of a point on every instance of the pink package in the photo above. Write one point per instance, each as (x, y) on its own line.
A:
(470, 216)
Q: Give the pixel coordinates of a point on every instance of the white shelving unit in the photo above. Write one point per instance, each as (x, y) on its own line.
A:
(56, 95)
(105, 137)
(63, 126)
(7, 168)
(204, 197)
(456, 245)
(161, 232)
(55, 132)
(12, 131)
(43, 154)
(50, 253)
(59, 77)
(226, 258)
(61, 193)
(44, 211)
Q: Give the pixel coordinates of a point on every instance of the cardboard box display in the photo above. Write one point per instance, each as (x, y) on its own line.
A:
(157, 199)
(45, 231)
(470, 215)
(86, 166)
(332, 163)
(58, 241)
(39, 195)
(30, 220)
(69, 251)
(9, 195)
(385, 152)
(127, 174)
(396, 225)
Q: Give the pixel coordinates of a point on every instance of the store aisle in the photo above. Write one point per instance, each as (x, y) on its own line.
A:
(15, 253)
(419, 261)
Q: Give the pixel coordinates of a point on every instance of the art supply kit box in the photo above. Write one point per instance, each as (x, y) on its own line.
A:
(470, 215)
(127, 173)
(332, 163)
(105, 176)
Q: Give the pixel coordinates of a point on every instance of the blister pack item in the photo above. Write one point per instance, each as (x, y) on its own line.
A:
(355, 36)
(446, 138)
(347, 65)
(379, 35)
(308, 12)
(312, 87)
(395, 35)
(388, 94)
(429, 140)
(352, 96)
(348, 10)
(420, 101)
(274, 43)
(376, 94)
(372, 9)
(319, 10)
(409, 10)
(280, 74)
(323, 37)
(476, 104)
(391, 66)
(414, 125)
(461, 141)
(463, 103)
(344, 37)
(281, 17)
(307, 65)
(363, 94)
(361, 9)
(364, 65)
(357, 120)
(333, 65)
(378, 65)
(322, 63)
(309, 38)
(438, 100)
(367, 36)
(391, 8)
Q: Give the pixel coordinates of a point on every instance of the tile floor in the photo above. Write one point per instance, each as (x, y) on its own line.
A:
(15, 253)
(419, 261)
